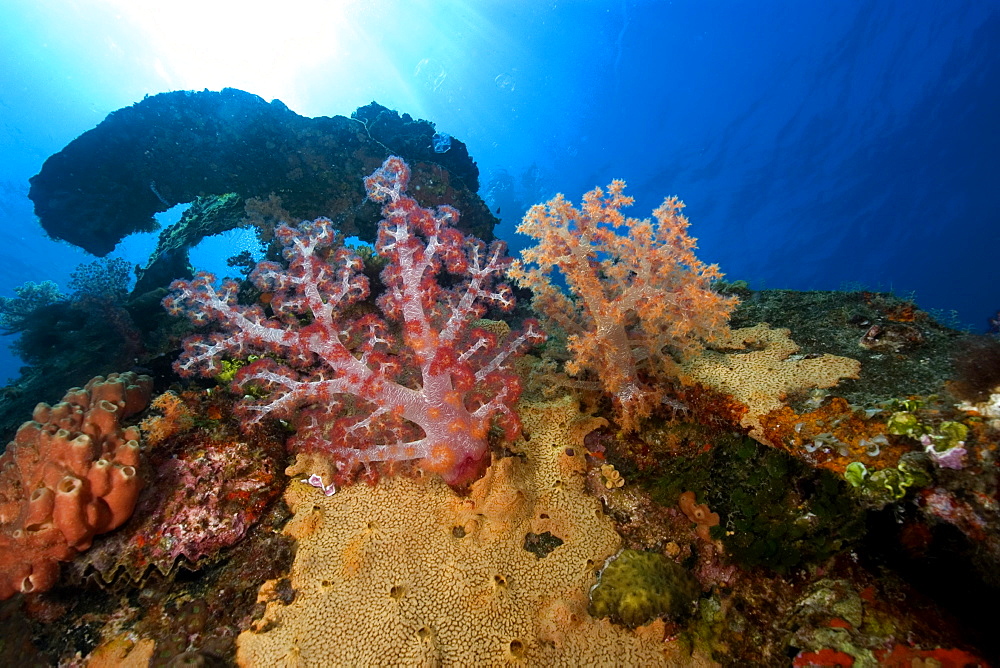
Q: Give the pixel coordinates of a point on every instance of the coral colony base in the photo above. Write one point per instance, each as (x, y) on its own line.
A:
(666, 479)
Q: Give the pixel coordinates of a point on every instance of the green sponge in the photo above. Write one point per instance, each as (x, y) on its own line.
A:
(638, 587)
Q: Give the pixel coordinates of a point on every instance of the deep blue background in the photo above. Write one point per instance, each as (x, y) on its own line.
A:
(817, 145)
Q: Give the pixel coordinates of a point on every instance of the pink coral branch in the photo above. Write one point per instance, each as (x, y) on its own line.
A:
(343, 380)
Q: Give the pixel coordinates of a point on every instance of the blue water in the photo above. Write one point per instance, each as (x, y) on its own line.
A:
(817, 145)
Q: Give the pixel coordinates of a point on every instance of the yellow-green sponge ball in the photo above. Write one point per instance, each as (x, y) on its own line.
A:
(638, 587)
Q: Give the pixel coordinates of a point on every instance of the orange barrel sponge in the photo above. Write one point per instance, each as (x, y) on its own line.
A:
(68, 475)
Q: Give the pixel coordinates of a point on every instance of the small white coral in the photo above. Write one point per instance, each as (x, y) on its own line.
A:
(989, 409)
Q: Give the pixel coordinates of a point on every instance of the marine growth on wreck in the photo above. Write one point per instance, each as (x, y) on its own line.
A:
(420, 450)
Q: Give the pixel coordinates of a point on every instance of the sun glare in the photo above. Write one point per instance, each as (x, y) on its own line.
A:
(256, 45)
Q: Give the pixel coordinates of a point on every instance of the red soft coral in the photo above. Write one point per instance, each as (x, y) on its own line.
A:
(344, 381)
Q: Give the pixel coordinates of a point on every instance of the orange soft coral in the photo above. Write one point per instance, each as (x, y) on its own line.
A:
(176, 418)
(642, 298)
(698, 513)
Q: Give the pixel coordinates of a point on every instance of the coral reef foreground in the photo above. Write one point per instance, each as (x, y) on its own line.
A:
(376, 455)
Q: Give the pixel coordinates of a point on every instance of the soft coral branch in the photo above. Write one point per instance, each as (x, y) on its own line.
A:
(349, 387)
(640, 297)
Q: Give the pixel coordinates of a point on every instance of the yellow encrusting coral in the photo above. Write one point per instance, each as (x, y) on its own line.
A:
(410, 570)
(758, 366)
